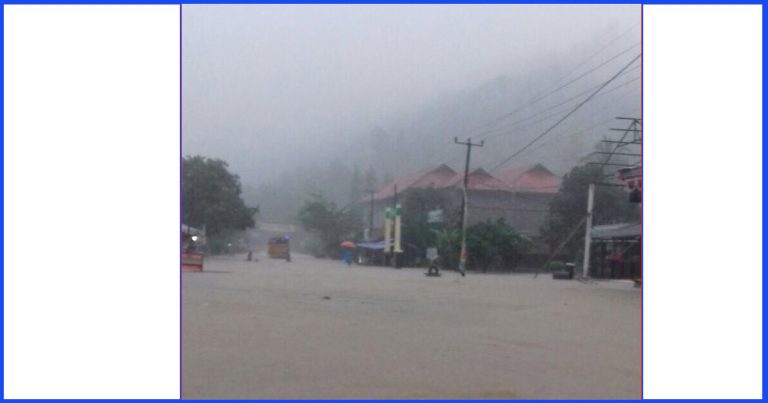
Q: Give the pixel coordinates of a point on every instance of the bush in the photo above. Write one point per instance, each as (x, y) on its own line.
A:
(449, 247)
(487, 242)
(328, 223)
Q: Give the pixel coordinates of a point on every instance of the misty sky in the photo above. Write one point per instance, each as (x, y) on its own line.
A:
(268, 86)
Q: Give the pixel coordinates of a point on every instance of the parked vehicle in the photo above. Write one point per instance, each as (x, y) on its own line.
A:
(562, 271)
(279, 248)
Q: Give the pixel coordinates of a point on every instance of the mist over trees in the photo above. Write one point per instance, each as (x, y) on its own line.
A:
(337, 182)
(611, 205)
(340, 113)
(329, 224)
(357, 161)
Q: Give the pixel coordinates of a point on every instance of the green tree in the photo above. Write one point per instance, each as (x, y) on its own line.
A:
(448, 247)
(210, 197)
(328, 223)
(417, 203)
(569, 206)
(487, 242)
(490, 241)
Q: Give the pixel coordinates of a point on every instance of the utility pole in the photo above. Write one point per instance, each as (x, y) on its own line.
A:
(389, 216)
(396, 231)
(588, 235)
(370, 217)
(465, 203)
(394, 201)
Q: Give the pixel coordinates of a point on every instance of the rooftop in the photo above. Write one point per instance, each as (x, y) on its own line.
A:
(532, 179)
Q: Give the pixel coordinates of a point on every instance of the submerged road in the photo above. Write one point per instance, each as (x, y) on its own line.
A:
(315, 328)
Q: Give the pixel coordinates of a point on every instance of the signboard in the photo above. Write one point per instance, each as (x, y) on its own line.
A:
(435, 216)
(431, 253)
(632, 177)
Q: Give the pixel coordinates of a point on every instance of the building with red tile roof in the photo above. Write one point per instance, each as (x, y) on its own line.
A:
(479, 179)
(531, 179)
(430, 178)
(521, 196)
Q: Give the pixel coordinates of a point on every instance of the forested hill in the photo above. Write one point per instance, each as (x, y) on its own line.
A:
(507, 112)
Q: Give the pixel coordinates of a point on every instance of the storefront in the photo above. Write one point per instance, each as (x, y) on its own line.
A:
(616, 251)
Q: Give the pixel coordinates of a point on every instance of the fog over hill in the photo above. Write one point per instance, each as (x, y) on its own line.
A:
(338, 99)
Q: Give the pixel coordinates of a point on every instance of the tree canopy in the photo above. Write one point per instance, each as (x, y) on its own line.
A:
(569, 206)
(328, 223)
(489, 244)
(210, 196)
(417, 203)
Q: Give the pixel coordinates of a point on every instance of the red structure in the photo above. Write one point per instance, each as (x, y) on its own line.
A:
(633, 180)
(191, 261)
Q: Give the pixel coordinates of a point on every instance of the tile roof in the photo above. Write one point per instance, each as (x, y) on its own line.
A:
(480, 179)
(532, 179)
(435, 177)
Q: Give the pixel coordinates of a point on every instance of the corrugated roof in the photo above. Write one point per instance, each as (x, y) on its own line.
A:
(623, 230)
(186, 229)
(532, 179)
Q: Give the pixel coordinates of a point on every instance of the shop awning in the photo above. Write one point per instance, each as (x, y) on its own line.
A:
(373, 245)
(624, 230)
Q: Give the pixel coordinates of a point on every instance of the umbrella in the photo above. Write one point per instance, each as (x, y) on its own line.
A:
(347, 244)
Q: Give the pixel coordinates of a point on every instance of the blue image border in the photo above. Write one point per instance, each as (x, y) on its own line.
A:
(168, 2)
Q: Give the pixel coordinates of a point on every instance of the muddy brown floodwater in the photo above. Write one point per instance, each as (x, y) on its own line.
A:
(315, 328)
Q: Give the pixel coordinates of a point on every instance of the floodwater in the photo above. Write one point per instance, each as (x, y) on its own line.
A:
(315, 328)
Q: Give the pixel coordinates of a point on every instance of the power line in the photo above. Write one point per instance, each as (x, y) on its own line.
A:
(540, 97)
(603, 111)
(632, 125)
(569, 113)
(611, 153)
(581, 76)
(607, 45)
(577, 96)
(536, 99)
(605, 122)
(558, 113)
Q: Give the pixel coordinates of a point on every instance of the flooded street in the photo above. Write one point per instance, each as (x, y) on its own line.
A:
(315, 328)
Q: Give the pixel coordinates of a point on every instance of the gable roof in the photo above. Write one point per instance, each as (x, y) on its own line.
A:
(435, 177)
(531, 179)
(479, 179)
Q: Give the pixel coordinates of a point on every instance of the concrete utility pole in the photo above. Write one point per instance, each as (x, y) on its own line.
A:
(370, 217)
(387, 231)
(398, 227)
(465, 203)
(588, 235)
(396, 230)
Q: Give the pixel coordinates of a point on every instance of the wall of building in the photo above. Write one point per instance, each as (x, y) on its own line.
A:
(526, 212)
